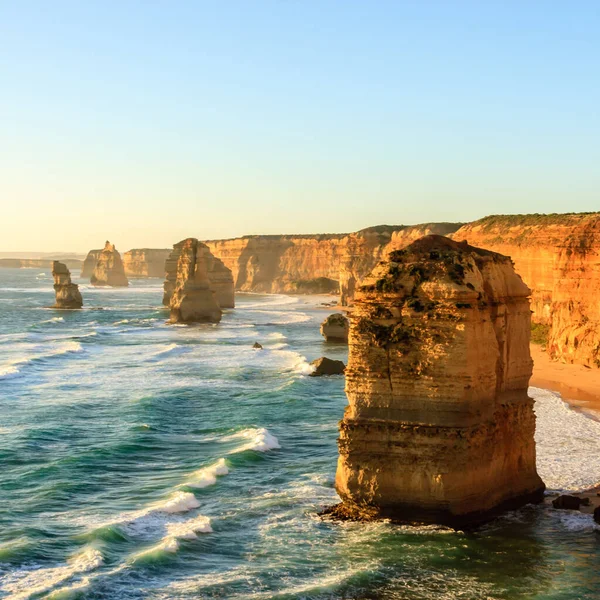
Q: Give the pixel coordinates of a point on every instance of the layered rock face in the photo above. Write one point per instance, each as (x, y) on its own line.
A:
(313, 263)
(67, 293)
(145, 262)
(439, 427)
(36, 263)
(89, 264)
(335, 328)
(219, 276)
(193, 298)
(558, 257)
(109, 268)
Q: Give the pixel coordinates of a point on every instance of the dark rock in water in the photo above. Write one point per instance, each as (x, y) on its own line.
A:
(326, 366)
(257, 346)
(597, 514)
(567, 502)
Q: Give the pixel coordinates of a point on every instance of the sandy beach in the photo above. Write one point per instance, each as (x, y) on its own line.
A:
(578, 385)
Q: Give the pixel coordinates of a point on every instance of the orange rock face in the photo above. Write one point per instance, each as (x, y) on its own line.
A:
(439, 427)
(313, 263)
(219, 276)
(109, 269)
(558, 256)
(145, 262)
(67, 293)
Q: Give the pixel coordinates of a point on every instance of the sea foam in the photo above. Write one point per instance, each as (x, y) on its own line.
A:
(208, 476)
(258, 439)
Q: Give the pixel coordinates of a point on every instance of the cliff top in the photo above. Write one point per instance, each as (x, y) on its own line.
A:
(506, 222)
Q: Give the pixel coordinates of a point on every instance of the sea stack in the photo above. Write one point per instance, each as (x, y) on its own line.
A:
(439, 427)
(89, 264)
(219, 276)
(109, 268)
(67, 293)
(193, 298)
(335, 328)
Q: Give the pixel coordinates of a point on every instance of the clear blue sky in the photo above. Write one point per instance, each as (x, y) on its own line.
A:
(145, 122)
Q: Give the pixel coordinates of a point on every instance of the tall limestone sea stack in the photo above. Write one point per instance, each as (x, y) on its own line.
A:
(109, 268)
(67, 293)
(439, 427)
(220, 277)
(193, 299)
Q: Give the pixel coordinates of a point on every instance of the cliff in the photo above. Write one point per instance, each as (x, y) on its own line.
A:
(89, 264)
(439, 427)
(558, 257)
(145, 262)
(193, 299)
(67, 293)
(219, 276)
(109, 268)
(37, 263)
(313, 263)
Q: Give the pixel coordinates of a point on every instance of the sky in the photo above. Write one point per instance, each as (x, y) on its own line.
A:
(147, 122)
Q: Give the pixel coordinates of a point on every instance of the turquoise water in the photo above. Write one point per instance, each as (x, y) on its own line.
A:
(141, 460)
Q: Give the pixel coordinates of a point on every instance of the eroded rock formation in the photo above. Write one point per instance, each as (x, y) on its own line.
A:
(439, 427)
(145, 262)
(327, 366)
(89, 264)
(193, 298)
(67, 293)
(558, 257)
(109, 268)
(335, 328)
(220, 277)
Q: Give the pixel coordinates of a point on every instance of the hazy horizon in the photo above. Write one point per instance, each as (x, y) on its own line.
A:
(148, 123)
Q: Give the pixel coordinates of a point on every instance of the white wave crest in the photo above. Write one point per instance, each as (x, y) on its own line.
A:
(259, 440)
(208, 476)
(53, 320)
(13, 367)
(179, 502)
(27, 583)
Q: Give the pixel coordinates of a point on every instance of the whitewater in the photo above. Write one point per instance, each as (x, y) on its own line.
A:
(140, 460)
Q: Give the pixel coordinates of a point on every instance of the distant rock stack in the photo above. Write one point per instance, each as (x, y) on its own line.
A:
(219, 275)
(89, 264)
(193, 298)
(109, 269)
(335, 328)
(439, 427)
(67, 293)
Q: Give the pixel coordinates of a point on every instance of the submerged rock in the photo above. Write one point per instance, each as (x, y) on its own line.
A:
(439, 427)
(335, 328)
(109, 268)
(569, 502)
(193, 299)
(219, 276)
(257, 346)
(327, 366)
(67, 293)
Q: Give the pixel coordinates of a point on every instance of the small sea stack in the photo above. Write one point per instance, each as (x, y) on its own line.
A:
(109, 270)
(193, 299)
(67, 293)
(335, 328)
(219, 276)
(439, 427)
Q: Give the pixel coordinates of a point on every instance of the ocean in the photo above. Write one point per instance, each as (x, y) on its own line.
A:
(146, 460)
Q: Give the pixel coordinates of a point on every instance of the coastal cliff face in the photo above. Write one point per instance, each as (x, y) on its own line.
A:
(109, 269)
(558, 257)
(89, 264)
(67, 293)
(313, 263)
(193, 298)
(145, 262)
(439, 427)
(219, 276)
(37, 263)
